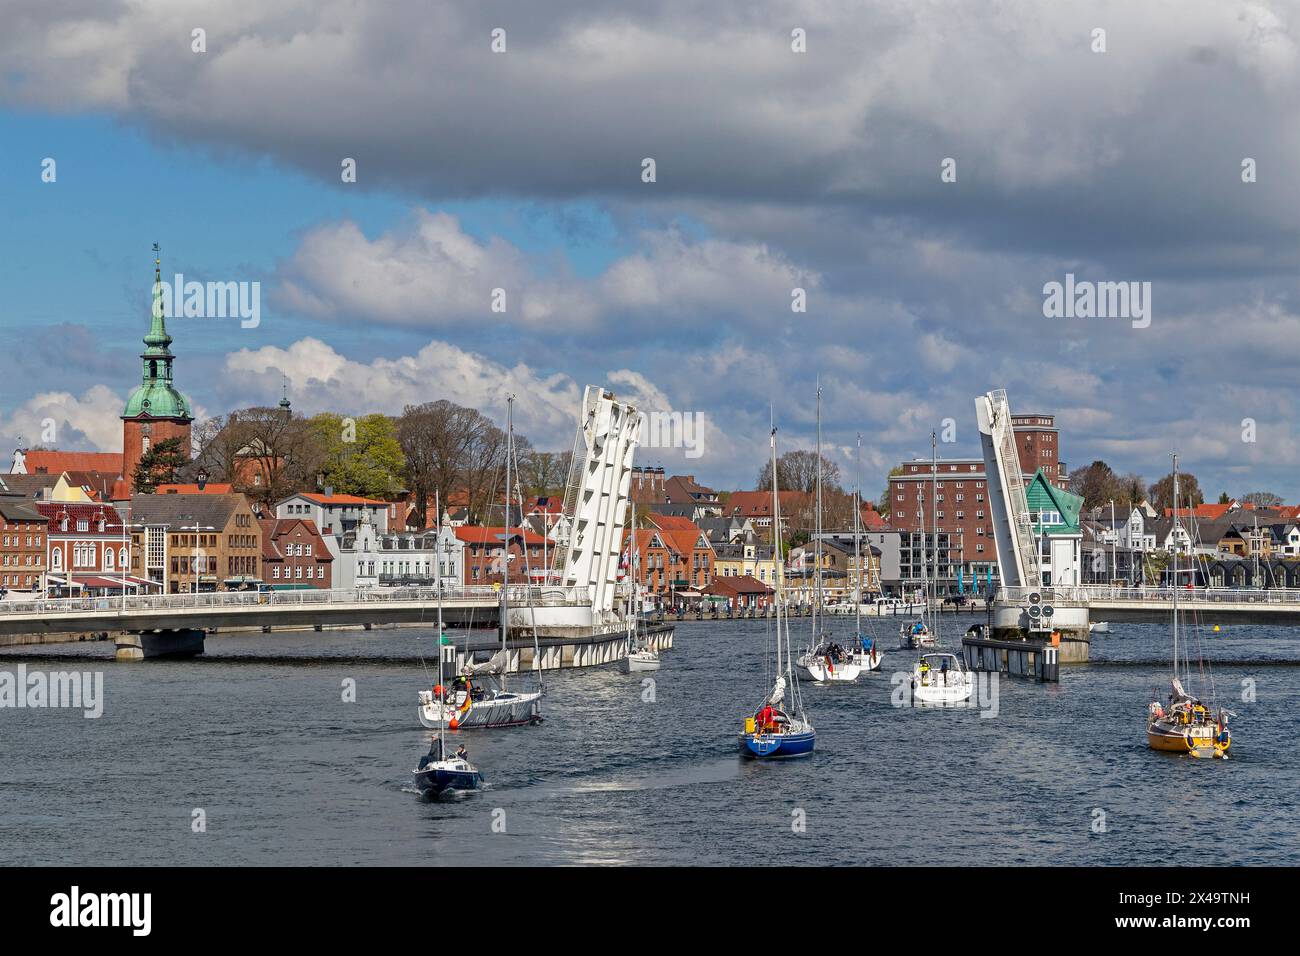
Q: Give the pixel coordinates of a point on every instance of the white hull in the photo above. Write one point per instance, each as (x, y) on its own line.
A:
(498, 710)
(868, 662)
(952, 688)
(817, 669)
(639, 661)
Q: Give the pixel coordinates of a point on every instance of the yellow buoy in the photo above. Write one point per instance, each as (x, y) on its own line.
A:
(1216, 629)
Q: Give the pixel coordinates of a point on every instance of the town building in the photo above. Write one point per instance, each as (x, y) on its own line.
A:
(22, 547)
(192, 543)
(333, 513)
(89, 552)
(294, 555)
(365, 557)
(952, 498)
(739, 593)
(486, 552)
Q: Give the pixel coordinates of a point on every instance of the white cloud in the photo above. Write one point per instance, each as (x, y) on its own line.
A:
(89, 420)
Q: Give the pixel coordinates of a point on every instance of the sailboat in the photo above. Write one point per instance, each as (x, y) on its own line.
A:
(437, 773)
(777, 731)
(479, 696)
(917, 633)
(865, 654)
(640, 655)
(826, 661)
(1183, 724)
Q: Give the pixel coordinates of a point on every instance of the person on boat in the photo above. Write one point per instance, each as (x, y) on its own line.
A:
(868, 645)
(918, 627)
(925, 670)
(943, 670)
(462, 753)
(766, 718)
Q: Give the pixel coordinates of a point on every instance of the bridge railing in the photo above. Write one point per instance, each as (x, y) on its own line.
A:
(519, 595)
(1102, 592)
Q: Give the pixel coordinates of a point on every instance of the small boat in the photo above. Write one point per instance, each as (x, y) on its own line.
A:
(437, 775)
(776, 731)
(829, 663)
(941, 679)
(1099, 627)
(915, 635)
(1184, 724)
(824, 661)
(475, 701)
(643, 659)
(479, 696)
(867, 656)
(640, 655)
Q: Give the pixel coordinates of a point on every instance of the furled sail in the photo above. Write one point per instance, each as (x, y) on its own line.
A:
(1179, 693)
(778, 692)
(496, 664)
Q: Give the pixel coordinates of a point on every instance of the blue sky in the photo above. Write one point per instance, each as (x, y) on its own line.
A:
(776, 170)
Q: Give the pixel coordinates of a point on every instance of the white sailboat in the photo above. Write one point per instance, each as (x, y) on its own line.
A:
(865, 653)
(825, 661)
(941, 679)
(918, 634)
(479, 696)
(640, 655)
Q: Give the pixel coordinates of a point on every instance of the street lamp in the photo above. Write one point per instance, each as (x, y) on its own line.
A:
(196, 528)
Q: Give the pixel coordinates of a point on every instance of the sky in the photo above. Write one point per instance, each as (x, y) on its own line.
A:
(922, 171)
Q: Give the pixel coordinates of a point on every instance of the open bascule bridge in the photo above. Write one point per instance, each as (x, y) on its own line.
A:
(1039, 617)
(577, 621)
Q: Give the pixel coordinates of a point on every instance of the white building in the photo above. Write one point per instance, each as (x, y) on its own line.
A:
(335, 514)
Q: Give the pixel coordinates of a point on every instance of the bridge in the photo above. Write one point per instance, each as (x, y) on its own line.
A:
(1154, 604)
(70, 617)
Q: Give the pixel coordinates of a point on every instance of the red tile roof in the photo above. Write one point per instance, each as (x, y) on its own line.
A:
(473, 534)
(342, 500)
(56, 462)
(211, 488)
(734, 586)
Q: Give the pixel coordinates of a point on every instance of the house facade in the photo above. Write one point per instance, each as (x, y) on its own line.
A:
(189, 543)
(294, 555)
(22, 547)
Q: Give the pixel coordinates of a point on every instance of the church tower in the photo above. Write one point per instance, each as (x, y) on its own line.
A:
(156, 411)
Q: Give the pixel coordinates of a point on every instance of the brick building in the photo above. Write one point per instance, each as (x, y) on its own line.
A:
(674, 559)
(485, 549)
(87, 553)
(22, 546)
(954, 499)
(294, 554)
(189, 542)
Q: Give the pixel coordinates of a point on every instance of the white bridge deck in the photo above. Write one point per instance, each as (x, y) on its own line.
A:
(252, 609)
(1277, 605)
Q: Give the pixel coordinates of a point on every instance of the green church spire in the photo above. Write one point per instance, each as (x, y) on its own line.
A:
(156, 397)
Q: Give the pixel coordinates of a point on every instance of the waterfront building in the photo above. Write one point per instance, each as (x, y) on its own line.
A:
(195, 542)
(486, 551)
(88, 553)
(335, 514)
(953, 498)
(22, 546)
(739, 593)
(294, 554)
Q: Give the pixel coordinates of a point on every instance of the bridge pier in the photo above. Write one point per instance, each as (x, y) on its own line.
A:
(138, 646)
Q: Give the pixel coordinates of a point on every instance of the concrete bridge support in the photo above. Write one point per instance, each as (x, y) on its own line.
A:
(184, 642)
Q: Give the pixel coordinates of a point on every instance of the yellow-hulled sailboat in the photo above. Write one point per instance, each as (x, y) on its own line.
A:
(1183, 724)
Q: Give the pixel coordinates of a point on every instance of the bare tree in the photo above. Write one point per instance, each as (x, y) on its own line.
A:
(797, 471)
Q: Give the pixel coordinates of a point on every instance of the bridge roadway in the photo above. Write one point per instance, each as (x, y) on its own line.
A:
(1207, 605)
(259, 610)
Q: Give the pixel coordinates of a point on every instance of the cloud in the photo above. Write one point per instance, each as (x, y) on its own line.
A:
(64, 420)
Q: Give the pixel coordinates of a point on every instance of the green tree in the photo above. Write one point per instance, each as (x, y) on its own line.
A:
(362, 456)
(159, 465)
(1189, 492)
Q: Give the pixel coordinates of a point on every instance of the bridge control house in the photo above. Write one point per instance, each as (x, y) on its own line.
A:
(195, 543)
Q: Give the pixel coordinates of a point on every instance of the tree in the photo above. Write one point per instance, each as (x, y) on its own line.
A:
(886, 506)
(1097, 484)
(267, 453)
(1262, 499)
(1161, 493)
(797, 471)
(452, 449)
(544, 472)
(361, 456)
(159, 465)
(1132, 489)
(1224, 498)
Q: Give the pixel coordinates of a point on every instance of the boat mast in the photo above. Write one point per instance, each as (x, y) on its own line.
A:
(437, 564)
(934, 523)
(776, 544)
(857, 546)
(1177, 545)
(817, 524)
(505, 552)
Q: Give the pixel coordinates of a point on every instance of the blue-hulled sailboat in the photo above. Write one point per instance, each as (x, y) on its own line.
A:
(780, 727)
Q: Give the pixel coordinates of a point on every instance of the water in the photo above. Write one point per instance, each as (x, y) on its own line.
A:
(257, 735)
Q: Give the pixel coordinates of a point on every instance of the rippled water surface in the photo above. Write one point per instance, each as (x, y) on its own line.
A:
(257, 735)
